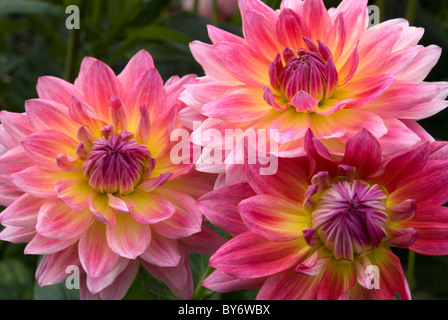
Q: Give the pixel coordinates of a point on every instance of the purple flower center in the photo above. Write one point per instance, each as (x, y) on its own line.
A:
(350, 217)
(116, 163)
(311, 71)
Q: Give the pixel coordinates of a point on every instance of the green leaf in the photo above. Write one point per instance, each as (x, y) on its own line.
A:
(15, 280)
(29, 6)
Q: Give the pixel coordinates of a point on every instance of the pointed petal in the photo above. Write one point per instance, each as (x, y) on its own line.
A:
(57, 90)
(249, 256)
(96, 257)
(222, 282)
(220, 207)
(52, 267)
(274, 218)
(185, 221)
(55, 220)
(162, 252)
(128, 238)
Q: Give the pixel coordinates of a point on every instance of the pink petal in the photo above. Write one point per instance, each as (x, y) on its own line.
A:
(36, 182)
(187, 219)
(73, 193)
(49, 115)
(118, 289)
(391, 279)
(8, 194)
(99, 206)
(423, 63)
(364, 91)
(100, 83)
(147, 90)
(402, 96)
(241, 103)
(17, 234)
(288, 183)
(291, 29)
(363, 151)
(162, 252)
(336, 281)
(150, 208)
(97, 284)
(52, 267)
(218, 35)
(222, 282)
(210, 62)
(128, 238)
(427, 185)
(179, 279)
(290, 125)
(316, 16)
(260, 33)
(55, 220)
(16, 125)
(243, 63)
(204, 242)
(289, 285)
(13, 161)
(220, 207)
(57, 90)
(431, 223)
(42, 245)
(374, 46)
(250, 256)
(96, 257)
(303, 102)
(398, 137)
(22, 212)
(43, 147)
(137, 65)
(273, 218)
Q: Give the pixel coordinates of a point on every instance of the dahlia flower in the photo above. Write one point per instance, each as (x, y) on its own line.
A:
(87, 180)
(318, 227)
(302, 67)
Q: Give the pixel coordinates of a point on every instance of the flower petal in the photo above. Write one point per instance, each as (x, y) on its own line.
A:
(162, 252)
(55, 220)
(128, 238)
(220, 207)
(150, 208)
(96, 257)
(249, 256)
(274, 218)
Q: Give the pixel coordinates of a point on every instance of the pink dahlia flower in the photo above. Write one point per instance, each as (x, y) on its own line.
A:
(87, 180)
(318, 227)
(303, 67)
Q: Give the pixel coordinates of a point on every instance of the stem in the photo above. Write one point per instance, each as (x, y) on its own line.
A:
(215, 13)
(200, 289)
(196, 7)
(410, 269)
(70, 58)
(411, 11)
(381, 4)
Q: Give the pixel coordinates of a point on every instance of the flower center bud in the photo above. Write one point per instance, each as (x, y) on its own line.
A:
(350, 217)
(303, 72)
(116, 163)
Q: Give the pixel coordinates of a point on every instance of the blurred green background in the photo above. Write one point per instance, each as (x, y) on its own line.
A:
(34, 41)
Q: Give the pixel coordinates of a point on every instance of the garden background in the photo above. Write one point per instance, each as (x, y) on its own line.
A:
(34, 41)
